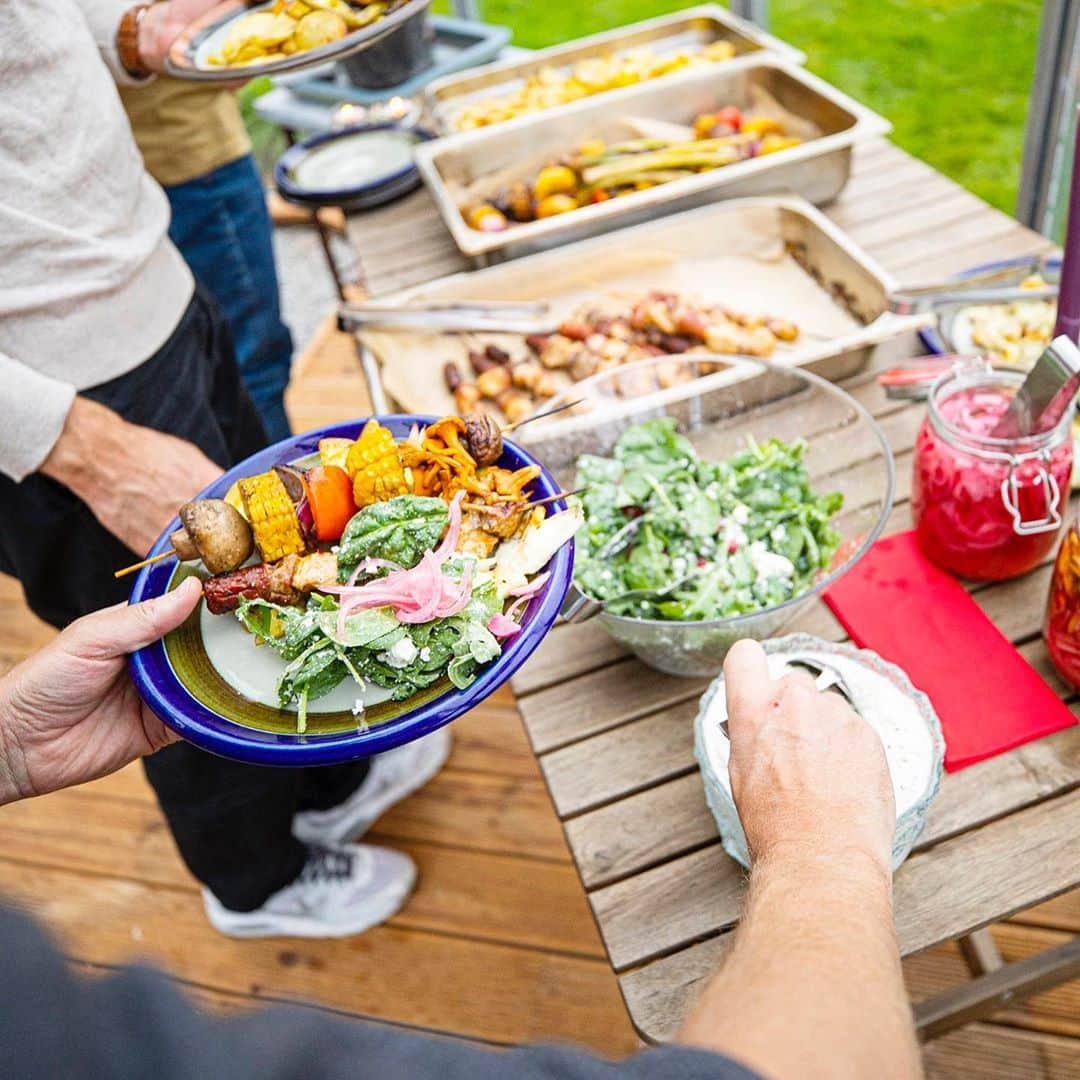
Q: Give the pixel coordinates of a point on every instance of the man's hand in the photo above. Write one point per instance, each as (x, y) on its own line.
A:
(133, 478)
(70, 714)
(162, 24)
(806, 771)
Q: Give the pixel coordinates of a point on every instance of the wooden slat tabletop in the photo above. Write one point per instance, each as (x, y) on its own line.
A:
(614, 738)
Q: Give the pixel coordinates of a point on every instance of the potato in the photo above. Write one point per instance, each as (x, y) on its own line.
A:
(319, 28)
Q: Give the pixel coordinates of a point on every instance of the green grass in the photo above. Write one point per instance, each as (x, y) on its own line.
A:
(953, 76)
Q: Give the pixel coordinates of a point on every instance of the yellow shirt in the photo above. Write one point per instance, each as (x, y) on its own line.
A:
(184, 129)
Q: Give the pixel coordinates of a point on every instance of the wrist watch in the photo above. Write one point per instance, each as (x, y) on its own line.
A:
(127, 42)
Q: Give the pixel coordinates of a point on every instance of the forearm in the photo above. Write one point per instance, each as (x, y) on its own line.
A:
(812, 985)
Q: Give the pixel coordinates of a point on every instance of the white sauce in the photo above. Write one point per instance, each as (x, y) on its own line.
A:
(909, 746)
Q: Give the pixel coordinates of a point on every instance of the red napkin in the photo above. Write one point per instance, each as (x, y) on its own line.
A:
(988, 697)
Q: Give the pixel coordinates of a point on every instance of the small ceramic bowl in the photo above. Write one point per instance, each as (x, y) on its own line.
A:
(883, 694)
(210, 684)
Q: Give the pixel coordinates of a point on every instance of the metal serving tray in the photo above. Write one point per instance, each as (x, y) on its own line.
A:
(817, 170)
(674, 253)
(692, 28)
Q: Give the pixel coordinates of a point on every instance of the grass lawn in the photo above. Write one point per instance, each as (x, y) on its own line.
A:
(953, 76)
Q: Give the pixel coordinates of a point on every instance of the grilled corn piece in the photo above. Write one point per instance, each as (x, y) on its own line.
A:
(374, 465)
(272, 516)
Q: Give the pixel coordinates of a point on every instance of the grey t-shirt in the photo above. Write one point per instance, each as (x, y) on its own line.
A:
(135, 1024)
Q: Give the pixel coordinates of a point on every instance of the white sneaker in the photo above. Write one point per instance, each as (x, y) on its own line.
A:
(392, 777)
(340, 891)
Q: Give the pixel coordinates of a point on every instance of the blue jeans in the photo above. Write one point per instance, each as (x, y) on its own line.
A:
(222, 228)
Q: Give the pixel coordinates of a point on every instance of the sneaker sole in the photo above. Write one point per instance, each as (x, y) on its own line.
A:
(335, 836)
(377, 911)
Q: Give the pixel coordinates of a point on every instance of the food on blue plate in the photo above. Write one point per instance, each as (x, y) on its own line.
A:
(215, 532)
(700, 540)
(434, 557)
(1016, 332)
(288, 27)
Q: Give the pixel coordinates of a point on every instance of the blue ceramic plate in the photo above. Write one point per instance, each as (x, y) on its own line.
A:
(209, 682)
(940, 339)
(357, 168)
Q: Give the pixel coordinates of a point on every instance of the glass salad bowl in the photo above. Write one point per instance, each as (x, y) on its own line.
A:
(729, 409)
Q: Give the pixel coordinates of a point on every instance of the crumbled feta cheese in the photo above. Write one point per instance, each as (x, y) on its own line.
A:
(425, 654)
(401, 654)
(741, 513)
(779, 534)
(767, 564)
(358, 708)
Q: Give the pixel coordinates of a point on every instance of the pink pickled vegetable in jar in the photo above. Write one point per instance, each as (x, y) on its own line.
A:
(987, 508)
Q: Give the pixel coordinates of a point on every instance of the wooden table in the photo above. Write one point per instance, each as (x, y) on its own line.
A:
(615, 740)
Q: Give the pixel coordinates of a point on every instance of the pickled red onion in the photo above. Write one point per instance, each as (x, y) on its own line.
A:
(505, 624)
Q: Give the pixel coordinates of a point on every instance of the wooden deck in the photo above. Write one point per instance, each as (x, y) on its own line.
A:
(496, 944)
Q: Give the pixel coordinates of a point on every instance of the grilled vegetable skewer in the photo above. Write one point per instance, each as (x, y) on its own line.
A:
(213, 531)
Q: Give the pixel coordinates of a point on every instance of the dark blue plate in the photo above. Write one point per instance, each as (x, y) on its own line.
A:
(363, 194)
(182, 687)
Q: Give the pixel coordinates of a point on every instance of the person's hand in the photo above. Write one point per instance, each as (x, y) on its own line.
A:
(161, 26)
(70, 713)
(806, 772)
(133, 478)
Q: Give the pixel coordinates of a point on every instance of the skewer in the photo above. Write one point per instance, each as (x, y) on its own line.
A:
(539, 416)
(145, 562)
(485, 508)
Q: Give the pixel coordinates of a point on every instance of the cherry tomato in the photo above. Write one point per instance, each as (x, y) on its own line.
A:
(731, 115)
(330, 496)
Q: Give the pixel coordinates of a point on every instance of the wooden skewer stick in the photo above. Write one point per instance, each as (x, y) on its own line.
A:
(539, 416)
(146, 562)
(484, 508)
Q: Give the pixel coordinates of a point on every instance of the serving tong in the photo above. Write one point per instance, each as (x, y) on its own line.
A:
(451, 316)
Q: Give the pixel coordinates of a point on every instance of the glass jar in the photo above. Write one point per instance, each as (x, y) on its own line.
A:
(1061, 628)
(987, 508)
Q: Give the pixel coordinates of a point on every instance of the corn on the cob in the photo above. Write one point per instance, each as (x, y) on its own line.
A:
(374, 465)
(272, 516)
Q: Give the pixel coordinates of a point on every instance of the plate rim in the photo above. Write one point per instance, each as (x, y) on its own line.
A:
(289, 159)
(180, 59)
(170, 700)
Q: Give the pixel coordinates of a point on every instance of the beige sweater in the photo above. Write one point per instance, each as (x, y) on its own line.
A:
(90, 285)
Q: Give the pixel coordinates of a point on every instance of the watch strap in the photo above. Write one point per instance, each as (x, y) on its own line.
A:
(127, 42)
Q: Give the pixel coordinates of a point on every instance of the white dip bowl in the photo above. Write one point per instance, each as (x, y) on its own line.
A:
(881, 693)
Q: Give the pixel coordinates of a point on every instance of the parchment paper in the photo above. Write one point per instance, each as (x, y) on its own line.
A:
(717, 255)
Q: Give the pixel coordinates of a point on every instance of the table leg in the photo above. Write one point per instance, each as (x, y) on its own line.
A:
(1007, 985)
(980, 952)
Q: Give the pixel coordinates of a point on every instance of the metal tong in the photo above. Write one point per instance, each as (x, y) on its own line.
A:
(1000, 286)
(449, 316)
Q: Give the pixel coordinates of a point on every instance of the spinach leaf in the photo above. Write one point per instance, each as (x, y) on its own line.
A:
(399, 530)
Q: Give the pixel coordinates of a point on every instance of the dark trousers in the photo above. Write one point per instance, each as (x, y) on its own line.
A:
(232, 822)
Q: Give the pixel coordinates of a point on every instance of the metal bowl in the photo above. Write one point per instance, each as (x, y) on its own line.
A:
(717, 410)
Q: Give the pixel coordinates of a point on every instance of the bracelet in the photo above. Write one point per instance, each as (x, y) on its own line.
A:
(127, 42)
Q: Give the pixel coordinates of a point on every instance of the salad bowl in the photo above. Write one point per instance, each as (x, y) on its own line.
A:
(208, 682)
(722, 405)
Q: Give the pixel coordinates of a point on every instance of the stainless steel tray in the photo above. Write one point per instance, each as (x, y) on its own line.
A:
(817, 170)
(692, 28)
(673, 253)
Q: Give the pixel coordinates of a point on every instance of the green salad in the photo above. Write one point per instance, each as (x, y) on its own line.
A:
(713, 539)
